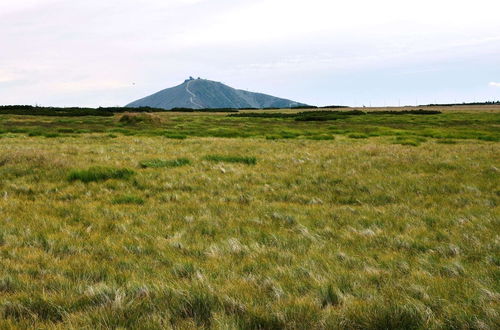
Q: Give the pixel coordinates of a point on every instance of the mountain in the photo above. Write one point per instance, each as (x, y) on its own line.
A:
(202, 93)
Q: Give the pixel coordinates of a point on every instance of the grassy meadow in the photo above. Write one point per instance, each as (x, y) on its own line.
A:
(195, 220)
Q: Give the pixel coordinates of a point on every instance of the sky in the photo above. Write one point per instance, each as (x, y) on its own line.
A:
(320, 52)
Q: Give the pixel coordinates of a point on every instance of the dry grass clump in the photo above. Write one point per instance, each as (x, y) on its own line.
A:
(31, 158)
(134, 118)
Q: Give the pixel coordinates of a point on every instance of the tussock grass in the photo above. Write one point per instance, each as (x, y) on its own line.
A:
(99, 173)
(330, 296)
(158, 163)
(231, 159)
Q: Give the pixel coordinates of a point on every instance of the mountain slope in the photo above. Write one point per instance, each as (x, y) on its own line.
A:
(202, 93)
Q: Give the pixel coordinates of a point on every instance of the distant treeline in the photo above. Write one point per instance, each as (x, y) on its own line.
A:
(203, 110)
(324, 107)
(69, 112)
(238, 109)
(110, 111)
(331, 115)
(454, 104)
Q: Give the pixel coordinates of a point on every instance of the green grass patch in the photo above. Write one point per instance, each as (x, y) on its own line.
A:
(158, 163)
(35, 133)
(83, 131)
(489, 138)
(446, 141)
(321, 137)
(51, 135)
(231, 159)
(409, 141)
(44, 134)
(225, 132)
(66, 130)
(289, 134)
(358, 136)
(100, 173)
(128, 199)
(177, 136)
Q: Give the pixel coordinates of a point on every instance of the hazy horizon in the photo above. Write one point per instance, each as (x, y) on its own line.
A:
(90, 53)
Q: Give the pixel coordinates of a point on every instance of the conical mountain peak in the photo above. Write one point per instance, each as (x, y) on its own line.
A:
(198, 93)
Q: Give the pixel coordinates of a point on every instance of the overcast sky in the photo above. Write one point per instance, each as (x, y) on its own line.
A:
(322, 52)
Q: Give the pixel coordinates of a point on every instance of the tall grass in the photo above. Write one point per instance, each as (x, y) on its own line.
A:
(334, 234)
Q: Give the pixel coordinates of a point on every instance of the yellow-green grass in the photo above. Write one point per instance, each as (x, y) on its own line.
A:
(344, 233)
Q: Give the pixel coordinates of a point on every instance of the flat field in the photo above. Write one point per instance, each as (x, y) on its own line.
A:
(196, 220)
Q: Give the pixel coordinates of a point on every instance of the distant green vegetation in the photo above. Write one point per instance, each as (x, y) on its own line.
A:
(325, 115)
(464, 103)
(208, 110)
(272, 125)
